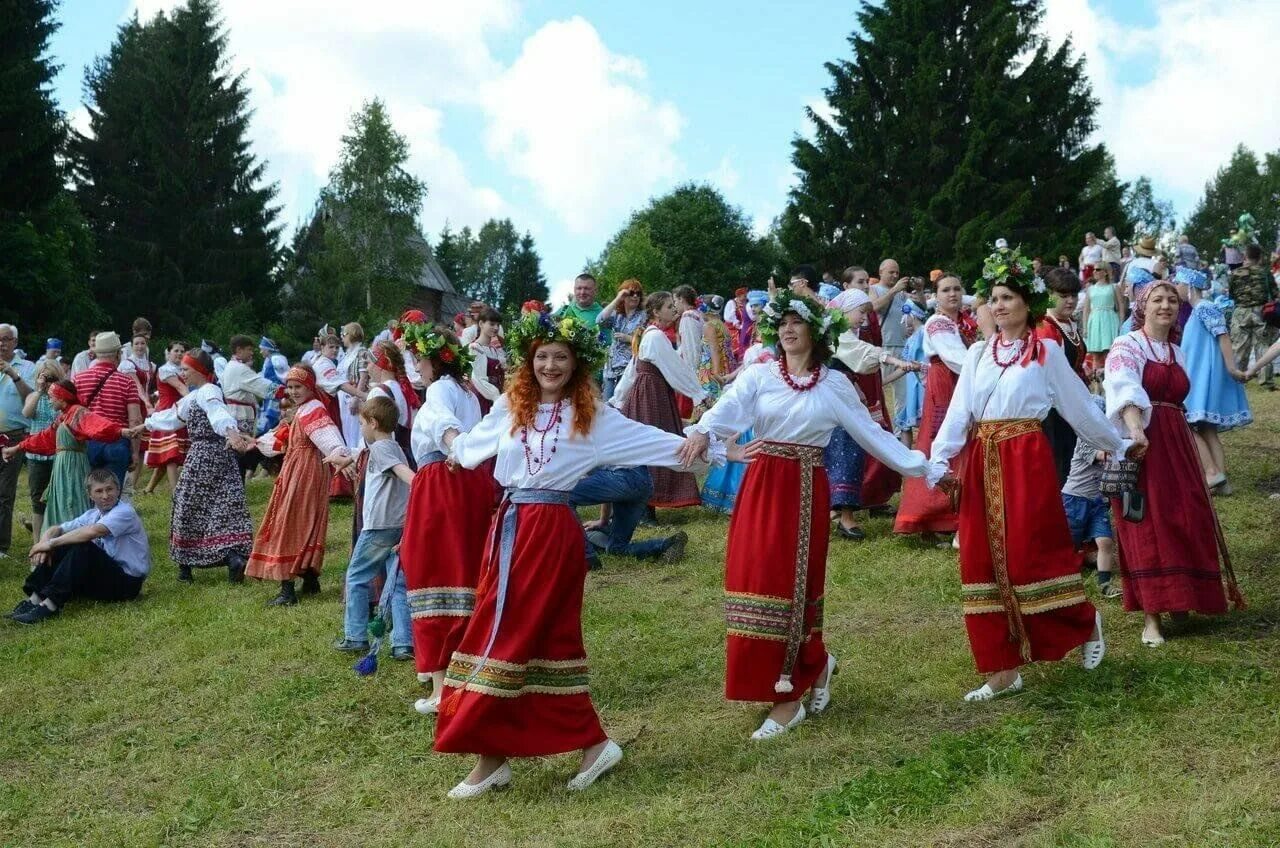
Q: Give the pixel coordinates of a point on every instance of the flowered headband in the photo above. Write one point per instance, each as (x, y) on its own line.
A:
(532, 331)
(1009, 268)
(825, 325)
(426, 341)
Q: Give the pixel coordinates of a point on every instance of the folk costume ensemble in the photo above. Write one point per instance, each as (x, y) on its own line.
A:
(1169, 560)
(445, 529)
(845, 460)
(167, 446)
(946, 345)
(1023, 594)
(210, 520)
(775, 573)
(1061, 437)
(720, 490)
(65, 496)
(518, 684)
(329, 380)
(1214, 397)
(879, 482)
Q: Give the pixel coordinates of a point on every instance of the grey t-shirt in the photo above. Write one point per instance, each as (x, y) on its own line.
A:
(1085, 478)
(892, 333)
(386, 496)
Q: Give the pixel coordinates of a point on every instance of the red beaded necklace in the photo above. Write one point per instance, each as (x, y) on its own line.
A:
(814, 373)
(534, 464)
(1152, 347)
(1013, 346)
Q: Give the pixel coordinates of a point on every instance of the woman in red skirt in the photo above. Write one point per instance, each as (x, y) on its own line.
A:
(449, 511)
(518, 684)
(1023, 595)
(1168, 559)
(168, 450)
(647, 393)
(775, 570)
(948, 335)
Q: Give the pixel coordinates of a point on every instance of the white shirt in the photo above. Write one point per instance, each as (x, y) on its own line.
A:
(328, 378)
(469, 334)
(614, 441)
(391, 389)
(209, 398)
(730, 313)
(481, 354)
(1091, 254)
(1125, 364)
(83, 360)
(760, 400)
(246, 387)
(987, 392)
(309, 356)
(655, 348)
(689, 340)
(942, 339)
(219, 365)
(448, 406)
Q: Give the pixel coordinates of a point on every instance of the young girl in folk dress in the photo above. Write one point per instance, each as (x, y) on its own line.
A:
(1024, 597)
(449, 510)
(489, 359)
(775, 569)
(517, 685)
(290, 542)
(647, 393)
(1169, 558)
(210, 522)
(166, 451)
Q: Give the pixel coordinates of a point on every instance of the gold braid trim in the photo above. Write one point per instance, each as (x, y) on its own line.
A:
(809, 457)
(991, 434)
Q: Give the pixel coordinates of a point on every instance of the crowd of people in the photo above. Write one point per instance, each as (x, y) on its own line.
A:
(1037, 419)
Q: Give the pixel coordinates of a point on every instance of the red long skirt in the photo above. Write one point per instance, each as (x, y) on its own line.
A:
(532, 697)
(1011, 515)
(925, 510)
(879, 481)
(1169, 560)
(443, 546)
(765, 533)
(291, 540)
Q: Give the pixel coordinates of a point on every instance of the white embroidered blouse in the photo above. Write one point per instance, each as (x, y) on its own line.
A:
(942, 339)
(208, 398)
(656, 348)
(448, 406)
(1125, 363)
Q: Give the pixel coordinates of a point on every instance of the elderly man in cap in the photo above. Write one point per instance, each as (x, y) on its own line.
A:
(114, 396)
(17, 380)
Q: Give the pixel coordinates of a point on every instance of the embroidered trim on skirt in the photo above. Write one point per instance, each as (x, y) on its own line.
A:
(210, 518)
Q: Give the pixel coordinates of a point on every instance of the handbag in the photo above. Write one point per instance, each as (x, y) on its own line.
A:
(1119, 477)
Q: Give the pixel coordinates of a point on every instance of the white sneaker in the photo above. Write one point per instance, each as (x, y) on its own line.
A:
(609, 757)
(500, 778)
(986, 693)
(821, 697)
(427, 706)
(1093, 652)
(771, 728)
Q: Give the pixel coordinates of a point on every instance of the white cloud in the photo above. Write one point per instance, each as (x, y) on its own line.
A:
(1206, 68)
(565, 117)
(725, 175)
(559, 291)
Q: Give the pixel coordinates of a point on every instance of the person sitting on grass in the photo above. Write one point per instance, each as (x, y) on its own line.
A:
(625, 492)
(386, 500)
(102, 555)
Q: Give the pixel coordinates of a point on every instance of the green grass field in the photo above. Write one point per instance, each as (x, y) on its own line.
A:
(197, 716)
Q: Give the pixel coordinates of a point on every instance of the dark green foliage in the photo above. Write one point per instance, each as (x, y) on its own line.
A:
(496, 266)
(1150, 215)
(44, 245)
(183, 222)
(952, 124)
(1244, 184)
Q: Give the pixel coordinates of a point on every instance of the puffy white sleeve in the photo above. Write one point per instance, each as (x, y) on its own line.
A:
(1075, 404)
(438, 410)
(689, 336)
(480, 376)
(861, 357)
(168, 420)
(655, 348)
(619, 441)
(944, 340)
(954, 432)
(220, 418)
(1123, 384)
(255, 384)
(734, 410)
(328, 377)
(481, 441)
(880, 443)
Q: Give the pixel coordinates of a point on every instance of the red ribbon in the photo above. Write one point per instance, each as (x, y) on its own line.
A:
(197, 366)
(62, 394)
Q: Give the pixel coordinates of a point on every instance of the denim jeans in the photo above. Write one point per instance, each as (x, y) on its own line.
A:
(114, 456)
(629, 490)
(374, 552)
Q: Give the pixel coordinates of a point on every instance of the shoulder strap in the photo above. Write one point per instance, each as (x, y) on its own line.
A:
(93, 394)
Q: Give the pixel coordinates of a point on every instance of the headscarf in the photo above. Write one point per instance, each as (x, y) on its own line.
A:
(1191, 277)
(757, 297)
(305, 376)
(828, 292)
(267, 344)
(1140, 303)
(53, 344)
(910, 307)
(849, 300)
(62, 394)
(198, 366)
(380, 358)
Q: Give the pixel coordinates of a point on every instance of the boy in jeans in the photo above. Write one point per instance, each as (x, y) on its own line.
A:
(1088, 512)
(386, 499)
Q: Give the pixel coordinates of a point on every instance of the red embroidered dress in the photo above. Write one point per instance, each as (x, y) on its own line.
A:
(165, 446)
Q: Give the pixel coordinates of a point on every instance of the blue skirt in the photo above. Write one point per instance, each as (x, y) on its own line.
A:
(1214, 398)
(721, 487)
(845, 460)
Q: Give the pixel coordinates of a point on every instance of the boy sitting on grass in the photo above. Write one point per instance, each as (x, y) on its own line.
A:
(102, 554)
(386, 499)
(1088, 512)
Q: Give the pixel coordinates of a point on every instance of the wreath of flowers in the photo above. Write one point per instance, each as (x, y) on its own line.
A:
(1009, 268)
(586, 342)
(426, 341)
(825, 325)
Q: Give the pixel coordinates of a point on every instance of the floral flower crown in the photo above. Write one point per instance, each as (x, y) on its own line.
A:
(585, 341)
(426, 341)
(825, 325)
(1008, 267)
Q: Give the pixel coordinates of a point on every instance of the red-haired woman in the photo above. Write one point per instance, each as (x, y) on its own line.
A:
(517, 685)
(290, 542)
(449, 511)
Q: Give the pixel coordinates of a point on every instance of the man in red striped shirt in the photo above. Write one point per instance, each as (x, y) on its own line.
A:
(114, 396)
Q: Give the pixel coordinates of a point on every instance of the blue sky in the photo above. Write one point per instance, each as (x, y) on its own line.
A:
(566, 116)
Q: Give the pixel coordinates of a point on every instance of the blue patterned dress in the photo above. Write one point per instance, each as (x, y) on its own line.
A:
(912, 383)
(1214, 398)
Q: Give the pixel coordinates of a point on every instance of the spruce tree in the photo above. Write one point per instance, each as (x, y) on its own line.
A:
(184, 224)
(952, 124)
(525, 280)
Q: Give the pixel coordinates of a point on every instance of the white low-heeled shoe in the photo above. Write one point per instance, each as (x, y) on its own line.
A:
(427, 706)
(821, 698)
(499, 779)
(1094, 651)
(986, 693)
(770, 728)
(609, 757)
(1152, 641)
